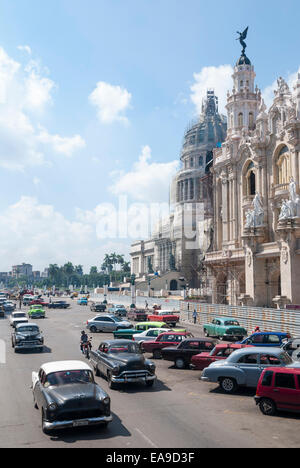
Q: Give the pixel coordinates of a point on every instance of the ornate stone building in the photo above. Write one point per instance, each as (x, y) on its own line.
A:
(169, 250)
(255, 259)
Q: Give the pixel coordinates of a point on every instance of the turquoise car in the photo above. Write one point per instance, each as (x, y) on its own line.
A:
(83, 301)
(225, 328)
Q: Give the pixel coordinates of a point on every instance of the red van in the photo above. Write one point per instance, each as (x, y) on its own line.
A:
(279, 390)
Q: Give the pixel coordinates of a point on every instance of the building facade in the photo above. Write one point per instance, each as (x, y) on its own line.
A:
(178, 245)
(255, 259)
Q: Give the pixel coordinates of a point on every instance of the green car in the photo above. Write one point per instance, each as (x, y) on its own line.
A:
(36, 311)
(139, 328)
(225, 328)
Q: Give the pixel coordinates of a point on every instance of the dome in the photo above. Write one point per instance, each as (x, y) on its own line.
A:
(243, 60)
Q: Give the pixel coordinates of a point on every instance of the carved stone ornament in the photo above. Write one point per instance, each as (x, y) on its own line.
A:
(249, 258)
(284, 255)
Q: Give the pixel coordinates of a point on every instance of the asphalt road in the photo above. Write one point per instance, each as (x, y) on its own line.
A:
(178, 412)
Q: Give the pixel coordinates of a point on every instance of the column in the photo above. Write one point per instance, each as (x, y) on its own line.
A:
(225, 209)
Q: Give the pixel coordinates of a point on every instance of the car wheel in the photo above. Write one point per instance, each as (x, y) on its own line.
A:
(111, 384)
(267, 407)
(180, 363)
(93, 330)
(35, 403)
(157, 354)
(228, 385)
(206, 334)
(150, 383)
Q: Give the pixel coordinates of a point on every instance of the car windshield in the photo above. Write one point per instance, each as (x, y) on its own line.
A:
(57, 379)
(28, 329)
(127, 348)
(117, 319)
(19, 315)
(232, 323)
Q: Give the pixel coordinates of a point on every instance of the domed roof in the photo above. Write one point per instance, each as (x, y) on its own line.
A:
(243, 60)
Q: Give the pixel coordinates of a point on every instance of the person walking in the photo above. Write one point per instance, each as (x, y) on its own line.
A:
(195, 316)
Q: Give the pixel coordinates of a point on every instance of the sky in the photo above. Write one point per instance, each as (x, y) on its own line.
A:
(95, 97)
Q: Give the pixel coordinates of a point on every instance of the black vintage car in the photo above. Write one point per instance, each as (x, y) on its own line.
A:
(59, 305)
(27, 336)
(121, 361)
(98, 307)
(67, 396)
(183, 353)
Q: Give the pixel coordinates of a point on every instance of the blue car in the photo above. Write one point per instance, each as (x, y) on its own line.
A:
(266, 339)
(83, 301)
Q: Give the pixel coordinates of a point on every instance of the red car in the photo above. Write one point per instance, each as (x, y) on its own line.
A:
(39, 302)
(219, 353)
(279, 390)
(165, 340)
(169, 317)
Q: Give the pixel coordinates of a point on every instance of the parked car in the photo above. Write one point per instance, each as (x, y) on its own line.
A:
(36, 312)
(149, 335)
(182, 354)
(118, 312)
(267, 339)
(107, 323)
(67, 396)
(278, 390)
(219, 353)
(225, 328)
(164, 340)
(244, 367)
(98, 307)
(137, 315)
(27, 336)
(139, 328)
(170, 317)
(27, 300)
(59, 305)
(122, 362)
(83, 301)
(17, 318)
(292, 347)
(9, 306)
(38, 302)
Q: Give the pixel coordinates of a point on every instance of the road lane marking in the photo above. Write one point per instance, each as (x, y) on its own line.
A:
(146, 438)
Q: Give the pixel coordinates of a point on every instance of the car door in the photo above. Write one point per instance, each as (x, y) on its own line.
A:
(38, 388)
(286, 391)
(250, 365)
(271, 341)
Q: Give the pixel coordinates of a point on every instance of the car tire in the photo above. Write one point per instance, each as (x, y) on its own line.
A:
(35, 404)
(150, 383)
(97, 372)
(228, 385)
(267, 407)
(93, 330)
(180, 363)
(157, 354)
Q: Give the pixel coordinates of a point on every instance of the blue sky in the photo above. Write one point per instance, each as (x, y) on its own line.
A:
(75, 147)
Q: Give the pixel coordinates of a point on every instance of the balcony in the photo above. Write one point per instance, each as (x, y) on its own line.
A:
(280, 189)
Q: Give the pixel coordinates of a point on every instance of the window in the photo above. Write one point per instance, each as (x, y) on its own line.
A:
(250, 180)
(285, 381)
(272, 339)
(241, 120)
(251, 120)
(192, 162)
(249, 359)
(283, 166)
(257, 339)
(269, 360)
(267, 380)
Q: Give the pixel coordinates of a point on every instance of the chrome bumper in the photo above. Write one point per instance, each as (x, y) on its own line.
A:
(29, 346)
(205, 379)
(52, 426)
(136, 379)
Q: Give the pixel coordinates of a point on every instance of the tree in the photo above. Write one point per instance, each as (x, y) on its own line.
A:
(93, 270)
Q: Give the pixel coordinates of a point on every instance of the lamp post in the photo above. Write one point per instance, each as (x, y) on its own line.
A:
(133, 292)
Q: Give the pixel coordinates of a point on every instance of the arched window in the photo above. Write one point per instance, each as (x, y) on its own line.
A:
(283, 166)
(251, 120)
(242, 83)
(241, 120)
(192, 162)
(250, 180)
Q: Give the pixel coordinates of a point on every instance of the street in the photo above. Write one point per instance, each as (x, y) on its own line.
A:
(180, 411)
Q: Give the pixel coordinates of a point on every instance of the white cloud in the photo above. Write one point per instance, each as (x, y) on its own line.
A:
(24, 94)
(36, 233)
(111, 102)
(25, 48)
(146, 181)
(217, 78)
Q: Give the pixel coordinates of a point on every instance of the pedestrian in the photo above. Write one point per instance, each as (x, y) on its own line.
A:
(146, 304)
(257, 330)
(195, 316)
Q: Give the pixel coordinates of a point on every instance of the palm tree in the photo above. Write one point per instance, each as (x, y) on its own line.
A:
(94, 270)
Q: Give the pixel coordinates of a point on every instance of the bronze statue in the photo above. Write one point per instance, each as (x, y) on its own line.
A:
(242, 38)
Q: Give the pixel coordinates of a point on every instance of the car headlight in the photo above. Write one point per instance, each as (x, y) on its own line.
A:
(106, 401)
(52, 407)
(116, 370)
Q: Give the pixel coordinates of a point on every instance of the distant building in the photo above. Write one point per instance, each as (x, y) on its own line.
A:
(36, 274)
(22, 270)
(45, 273)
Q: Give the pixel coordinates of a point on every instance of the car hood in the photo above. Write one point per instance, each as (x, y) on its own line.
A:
(128, 358)
(29, 334)
(74, 395)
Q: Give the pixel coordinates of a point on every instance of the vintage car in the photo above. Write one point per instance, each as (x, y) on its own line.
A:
(36, 311)
(267, 339)
(149, 335)
(9, 306)
(139, 328)
(118, 312)
(278, 390)
(67, 396)
(98, 307)
(17, 318)
(137, 315)
(27, 336)
(164, 340)
(83, 301)
(38, 302)
(107, 323)
(182, 354)
(59, 305)
(292, 347)
(243, 368)
(122, 362)
(170, 317)
(225, 328)
(219, 353)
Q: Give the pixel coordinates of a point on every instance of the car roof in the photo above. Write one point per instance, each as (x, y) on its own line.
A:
(117, 342)
(233, 346)
(270, 333)
(155, 324)
(180, 333)
(292, 369)
(226, 318)
(259, 350)
(27, 325)
(205, 340)
(63, 366)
